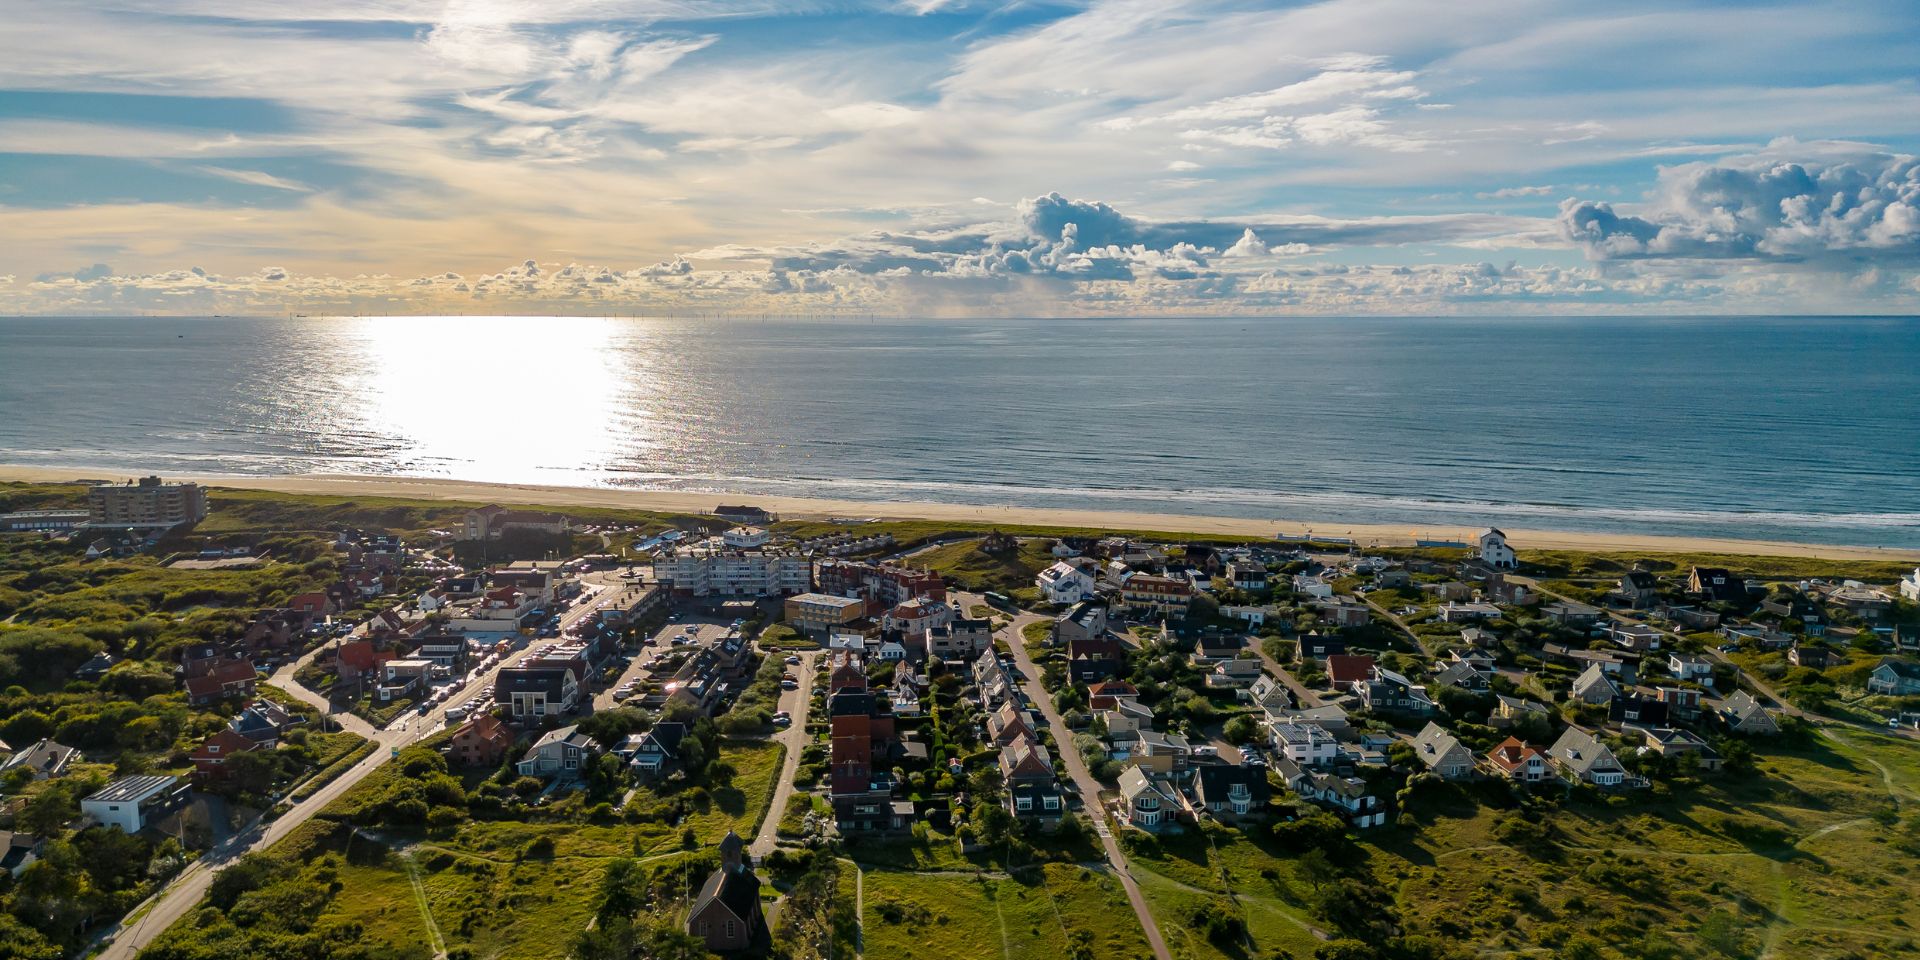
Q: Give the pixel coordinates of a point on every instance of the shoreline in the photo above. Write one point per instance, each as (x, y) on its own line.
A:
(809, 508)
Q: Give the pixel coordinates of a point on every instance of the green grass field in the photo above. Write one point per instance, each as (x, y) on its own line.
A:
(972, 568)
(1040, 915)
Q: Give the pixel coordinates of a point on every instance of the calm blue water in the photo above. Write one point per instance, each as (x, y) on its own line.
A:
(1797, 429)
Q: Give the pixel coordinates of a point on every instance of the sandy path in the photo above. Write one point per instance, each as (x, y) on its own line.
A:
(804, 508)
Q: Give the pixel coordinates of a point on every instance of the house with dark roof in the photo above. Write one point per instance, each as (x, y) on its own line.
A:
(1033, 792)
(1638, 589)
(726, 916)
(264, 722)
(1230, 791)
(1091, 659)
(18, 851)
(1716, 584)
(45, 758)
(1676, 742)
(654, 754)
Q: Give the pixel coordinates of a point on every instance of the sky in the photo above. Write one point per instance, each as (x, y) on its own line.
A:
(951, 158)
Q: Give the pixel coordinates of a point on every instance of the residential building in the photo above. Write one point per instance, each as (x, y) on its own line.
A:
(915, 617)
(18, 851)
(1147, 803)
(562, 752)
(1639, 589)
(147, 503)
(264, 722)
(654, 754)
(1346, 796)
(1895, 678)
(1716, 584)
(1467, 612)
(818, 613)
(131, 803)
(1312, 586)
(1513, 759)
(229, 679)
(1389, 692)
(1330, 718)
(1307, 744)
(1464, 675)
(961, 639)
(712, 568)
(1095, 658)
(1344, 670)
(210, 758)
(1318, 646)
(1571, 613)
(1269, 696)
(1594, 686)
(482, 741)
(1687, 666)
(541, 686)
(1637, 637)
(493, 521)
(1910, 586)
(1585, 758)
(1149, 595)
(1743, 714)
(1107, 694)
(1508, 710)
(1033, 792)
(1442, 753)
(1064, 582)
(727, 915)
(1085, 619)
(1674, 742)
(745, 514)
(884, 586)
(1230, 791)
(1683, 703)
(1248, 574)
(1009, 724)
(43, 521)
(1343, 613)
(48, 760)
(1238, 673)
(1635, 708)
(1494, 550)
(1813, 658)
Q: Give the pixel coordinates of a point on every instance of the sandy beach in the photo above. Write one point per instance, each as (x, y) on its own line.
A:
(803, 508)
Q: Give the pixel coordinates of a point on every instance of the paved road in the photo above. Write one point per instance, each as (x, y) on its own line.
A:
(1077, 769)
(796, 703)
(183, 894)
(1302, 694)
(1394, 619)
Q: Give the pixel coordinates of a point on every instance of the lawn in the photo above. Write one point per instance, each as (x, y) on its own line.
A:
(1010, 572)
(1039, 915)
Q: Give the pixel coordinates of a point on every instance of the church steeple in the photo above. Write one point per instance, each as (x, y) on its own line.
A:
(731, 849)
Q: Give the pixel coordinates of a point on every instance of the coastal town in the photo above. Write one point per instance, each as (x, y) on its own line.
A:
(243, 721)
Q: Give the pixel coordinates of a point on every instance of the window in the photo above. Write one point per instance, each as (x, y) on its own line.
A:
(729, 929)
(1051, 803)
(1023, 803)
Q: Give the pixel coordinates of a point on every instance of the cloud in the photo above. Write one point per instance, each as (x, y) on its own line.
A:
(1509, 193)
(1789, 203)
(257, 178)
(98, 271)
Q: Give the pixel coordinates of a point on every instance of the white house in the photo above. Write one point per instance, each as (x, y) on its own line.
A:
(131, 803)
(1064, 583)
(1910, 586)
(1312, 586)
(1307, 744)
(1494, 551)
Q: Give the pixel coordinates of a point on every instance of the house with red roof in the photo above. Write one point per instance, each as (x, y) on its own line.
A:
(361, 658)
(210, 758)
(1517, 761)
(228, 678)
(1343, 669)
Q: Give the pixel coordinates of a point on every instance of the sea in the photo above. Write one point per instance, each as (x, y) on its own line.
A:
(1786, 428)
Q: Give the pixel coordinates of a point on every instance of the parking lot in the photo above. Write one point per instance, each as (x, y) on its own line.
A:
(698, 631)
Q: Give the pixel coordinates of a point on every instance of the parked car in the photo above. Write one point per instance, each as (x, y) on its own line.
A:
(789, 684)
(793, 660)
